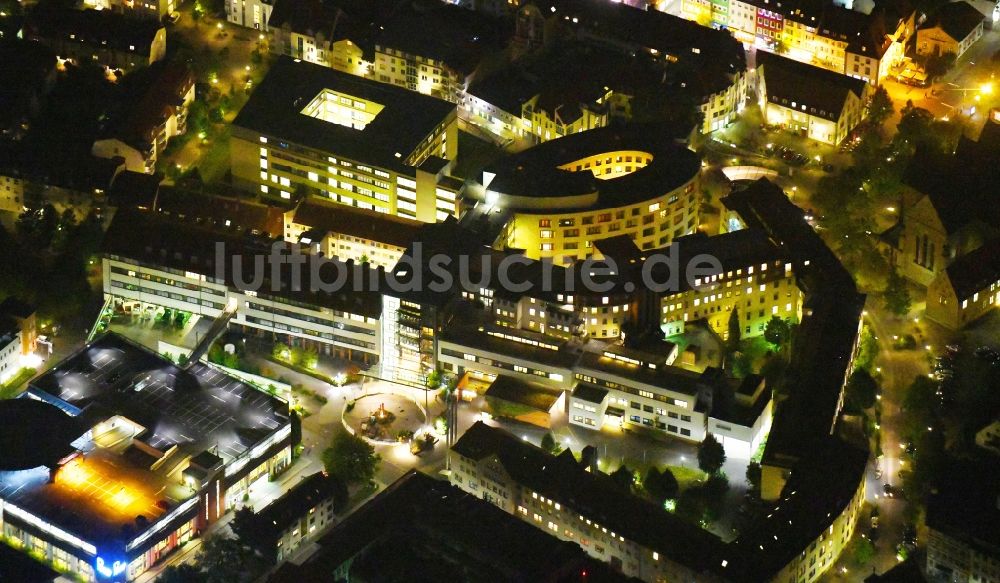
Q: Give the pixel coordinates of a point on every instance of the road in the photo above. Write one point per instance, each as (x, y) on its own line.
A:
(958, 92)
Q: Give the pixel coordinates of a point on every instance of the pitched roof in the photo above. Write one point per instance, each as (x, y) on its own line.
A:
(961, 186)
(151, 96)
(801, 86)
(293, 504)
(956, 19)
(355, 222)
(593, 495)
(95, 27)
(482, 540)
(975, 271)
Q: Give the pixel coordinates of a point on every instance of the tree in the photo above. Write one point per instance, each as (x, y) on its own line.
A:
(549, 443)
(879, 106)
(310, 358)
(777, 331)
(864, 550)
(860, 392)
(434, 379)
(733, 339)
(661, 485)
(183, 573)
(245, 526)
(224, 560)
(938, 65)
(896, 295)
(296, 426)
(624, 477)
(711, 455)
(280, 350)
(351, 458)
(753, 476)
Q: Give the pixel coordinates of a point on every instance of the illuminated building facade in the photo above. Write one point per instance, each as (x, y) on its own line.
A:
(350, 234)
(953, 28)
(817, 103)
(249, 13)
(151, 260)
(821, 33)
(140, 456)
(18, 338)
(564, 194)
(559, 496)
(309, 131)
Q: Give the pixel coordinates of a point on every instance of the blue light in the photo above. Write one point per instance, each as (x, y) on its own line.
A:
(112, 570)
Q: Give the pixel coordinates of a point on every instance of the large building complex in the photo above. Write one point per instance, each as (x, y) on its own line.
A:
(138, 457)
(565, 194)
(312, 131)
(152, 259)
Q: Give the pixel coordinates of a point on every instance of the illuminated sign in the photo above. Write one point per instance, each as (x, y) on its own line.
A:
(112, 570)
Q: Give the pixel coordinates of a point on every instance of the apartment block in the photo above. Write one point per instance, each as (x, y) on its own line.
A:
(113, 40)
(152, 111)
(299, 517)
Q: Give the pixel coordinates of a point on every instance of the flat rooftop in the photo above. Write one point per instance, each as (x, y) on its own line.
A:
(139, 407)
(392, 119)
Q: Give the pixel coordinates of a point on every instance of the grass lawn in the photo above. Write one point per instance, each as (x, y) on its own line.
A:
(214, 162)
(11, 388)
(687, 477)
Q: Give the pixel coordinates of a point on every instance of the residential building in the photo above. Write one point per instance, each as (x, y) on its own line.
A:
(817, 103)
(967, 289)
(756, 281)
(12, 192)
(115, 41)
(422, 525)
(137, 458)
(817, 32)
(143, 9)
(962, 513)
(436, 48)
(711, 64)
(153, 110)
(826, 339)
(18, 338)
(558, 496)
(811, 524)
(350, 234)
(322, 33)
(564, 194)
(952, 28)
(316, 132)
(253, 14)
(190, 264)
(300, 516)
